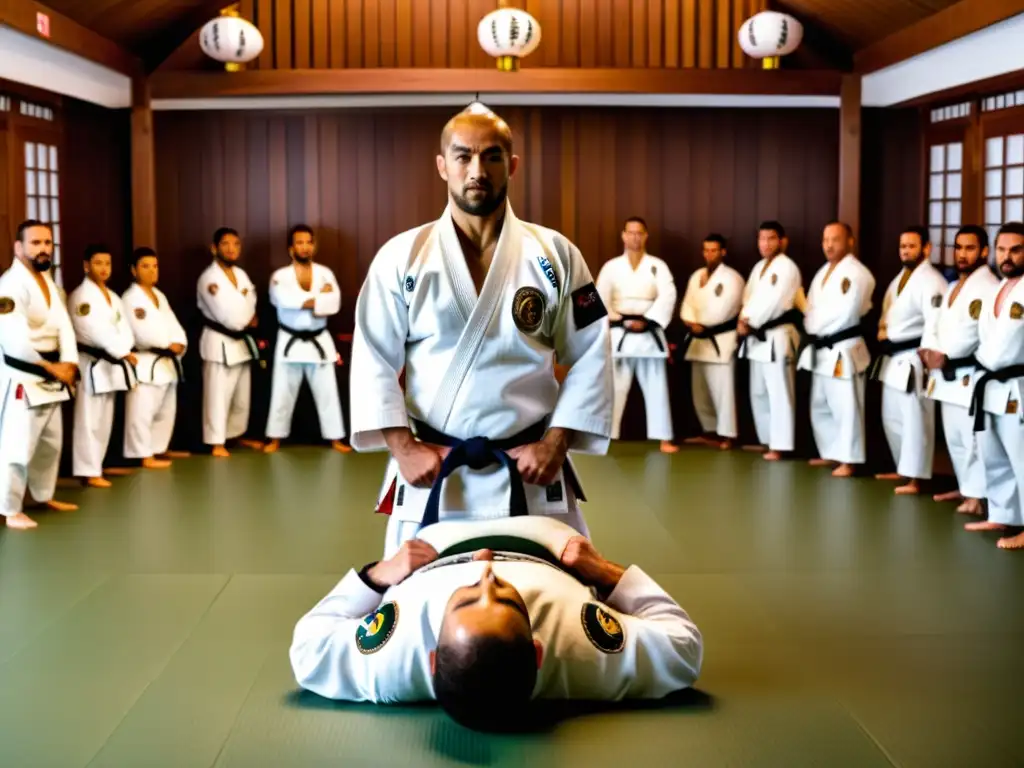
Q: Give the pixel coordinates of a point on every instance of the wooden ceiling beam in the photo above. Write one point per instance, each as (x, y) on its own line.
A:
(943, 27)
(173, 37)
(294, 82)
(70, 35)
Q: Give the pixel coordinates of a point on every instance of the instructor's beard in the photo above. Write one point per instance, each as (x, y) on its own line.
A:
(485, 207)
(42, 265)
(1010, 270)
(302, 259)
(967, 269)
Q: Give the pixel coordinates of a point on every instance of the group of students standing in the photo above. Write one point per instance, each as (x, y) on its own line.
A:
(97, 344)
(959, 343)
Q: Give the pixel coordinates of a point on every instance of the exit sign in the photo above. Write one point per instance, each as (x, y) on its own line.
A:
(43, 24)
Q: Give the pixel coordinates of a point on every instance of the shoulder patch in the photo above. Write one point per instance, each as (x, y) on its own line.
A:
(212, 289)
(845, 284)
(83, 309)
(975, 309)
(6, 305)
(528, 309)
(718, 290)
(654, 269)
(377, 628)
(140, 313)
(1016, 311)
(328, 288)
(937, 300)
(587, 306)
(245, 291)
(775, 278)
(603, 629)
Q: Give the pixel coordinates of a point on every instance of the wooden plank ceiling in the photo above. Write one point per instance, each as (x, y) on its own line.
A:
(153, 29)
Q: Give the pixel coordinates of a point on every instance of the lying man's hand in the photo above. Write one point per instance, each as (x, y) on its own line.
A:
(580, 557)
(413, 555)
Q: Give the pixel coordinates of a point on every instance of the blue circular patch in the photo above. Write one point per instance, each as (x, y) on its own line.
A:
(410, 283)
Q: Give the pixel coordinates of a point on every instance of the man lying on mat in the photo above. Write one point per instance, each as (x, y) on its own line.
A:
(510, 610)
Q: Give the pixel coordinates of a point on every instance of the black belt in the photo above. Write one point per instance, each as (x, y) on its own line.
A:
(952, 364)
(310, 336)
(168, 354)
(102, 354)
(710, 332)
(889, 348)
(477, 453)
(827, 342)
(789, 317)
(1003, 375)
(213, 325)
(34, 368)
(649, 327)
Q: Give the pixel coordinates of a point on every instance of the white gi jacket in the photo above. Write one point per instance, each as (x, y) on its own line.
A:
(714, 303)
(833, 307)
(648, 291)
(288, 296)
(906, 315)
(480, 366)
(1001, 346)
(105, 327)
(956, 336)
(233, 307)
(357, 644)
(155, 326)
(29, 325)
(773, 288)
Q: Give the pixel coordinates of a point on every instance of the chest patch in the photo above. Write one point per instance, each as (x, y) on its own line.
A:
(775, 278)
(140, 313)
(603, 629)
(528, 309)
(937, 300)
(83, 309)
(975, 309)
(845, 286)
(212, 288)
(377, 628)
(1016, 311)
(410, 283)
(6, 305)
(718, 290)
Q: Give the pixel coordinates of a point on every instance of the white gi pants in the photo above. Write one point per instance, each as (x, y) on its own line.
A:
(93, 419)
(226, 395)
(284, 391)
(30, 446)
(149, 412)
(837, 417)
(772, 401)
(909, 424)
(652, 374)
(714, 396)
(958, 424)
(1002, 452)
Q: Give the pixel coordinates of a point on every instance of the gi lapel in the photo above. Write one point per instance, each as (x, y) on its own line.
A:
(475, 311)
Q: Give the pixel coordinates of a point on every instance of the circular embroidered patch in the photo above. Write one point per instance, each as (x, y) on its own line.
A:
(528, 309)
(377, 629)
(83, 309)
(1016, 311)
(140, 313)
(603, 629)
(6, 305)
(718, 290)
(410, 283)
(975, 309)
(845, 284)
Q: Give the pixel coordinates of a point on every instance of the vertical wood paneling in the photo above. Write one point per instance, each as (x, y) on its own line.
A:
(655, 33)
(722, 46)
(283, 13)
(386, 22)
(403, 32)
(337, 38)
(420, 33)
(373, 42)
(549, 15)
(621, 31)
(247, 10)
(672, 33)
(354, 36)
(588, 33)
(459, 33)
(264, 21)
(689, 33)
(606, 49)
(302, 55)
(570, 33)
(438, 33)
(569, 179)
(321, 34)
(639, 31)
(706, 30)
(739, 15)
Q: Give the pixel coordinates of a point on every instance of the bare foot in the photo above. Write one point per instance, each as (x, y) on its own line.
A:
(843, 470)
(821, 462)
(667, 447)
(118, 471)
(701, 440)
(175, 455)
(256, 445)
(1011, 542)
(888, 476)
(21, 522)
(755, 448)
(772, 456)
(220, 452)
(96, 482)
(910, 489)
(152, 463)
(340, 447)
(971, 507)
(272, 446)
(948, 496)
(725, 445)
(985, 526)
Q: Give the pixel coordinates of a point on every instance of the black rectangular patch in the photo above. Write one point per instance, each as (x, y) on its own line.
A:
(554, 491)
(587, 306)
(401, 495)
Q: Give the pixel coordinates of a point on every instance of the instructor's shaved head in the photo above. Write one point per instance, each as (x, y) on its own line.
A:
(476, 160)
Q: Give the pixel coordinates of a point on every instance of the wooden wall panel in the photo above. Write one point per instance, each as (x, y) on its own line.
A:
(443, 33)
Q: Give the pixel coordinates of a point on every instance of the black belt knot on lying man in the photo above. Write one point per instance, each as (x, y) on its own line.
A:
(478, 453)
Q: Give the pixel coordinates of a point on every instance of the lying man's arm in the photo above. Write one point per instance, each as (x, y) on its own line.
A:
(328, 657)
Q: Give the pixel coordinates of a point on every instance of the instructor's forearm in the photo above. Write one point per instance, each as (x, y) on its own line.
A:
(609, 577)
(399, 439)
(559, 437)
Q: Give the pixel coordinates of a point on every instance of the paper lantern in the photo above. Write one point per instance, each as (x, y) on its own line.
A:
(508, 34)
(769, 35)
(232, 40)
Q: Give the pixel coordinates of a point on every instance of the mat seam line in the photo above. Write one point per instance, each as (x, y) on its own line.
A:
(871, 737)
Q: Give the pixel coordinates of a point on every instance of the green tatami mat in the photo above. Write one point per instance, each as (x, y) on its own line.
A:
(842, 626)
